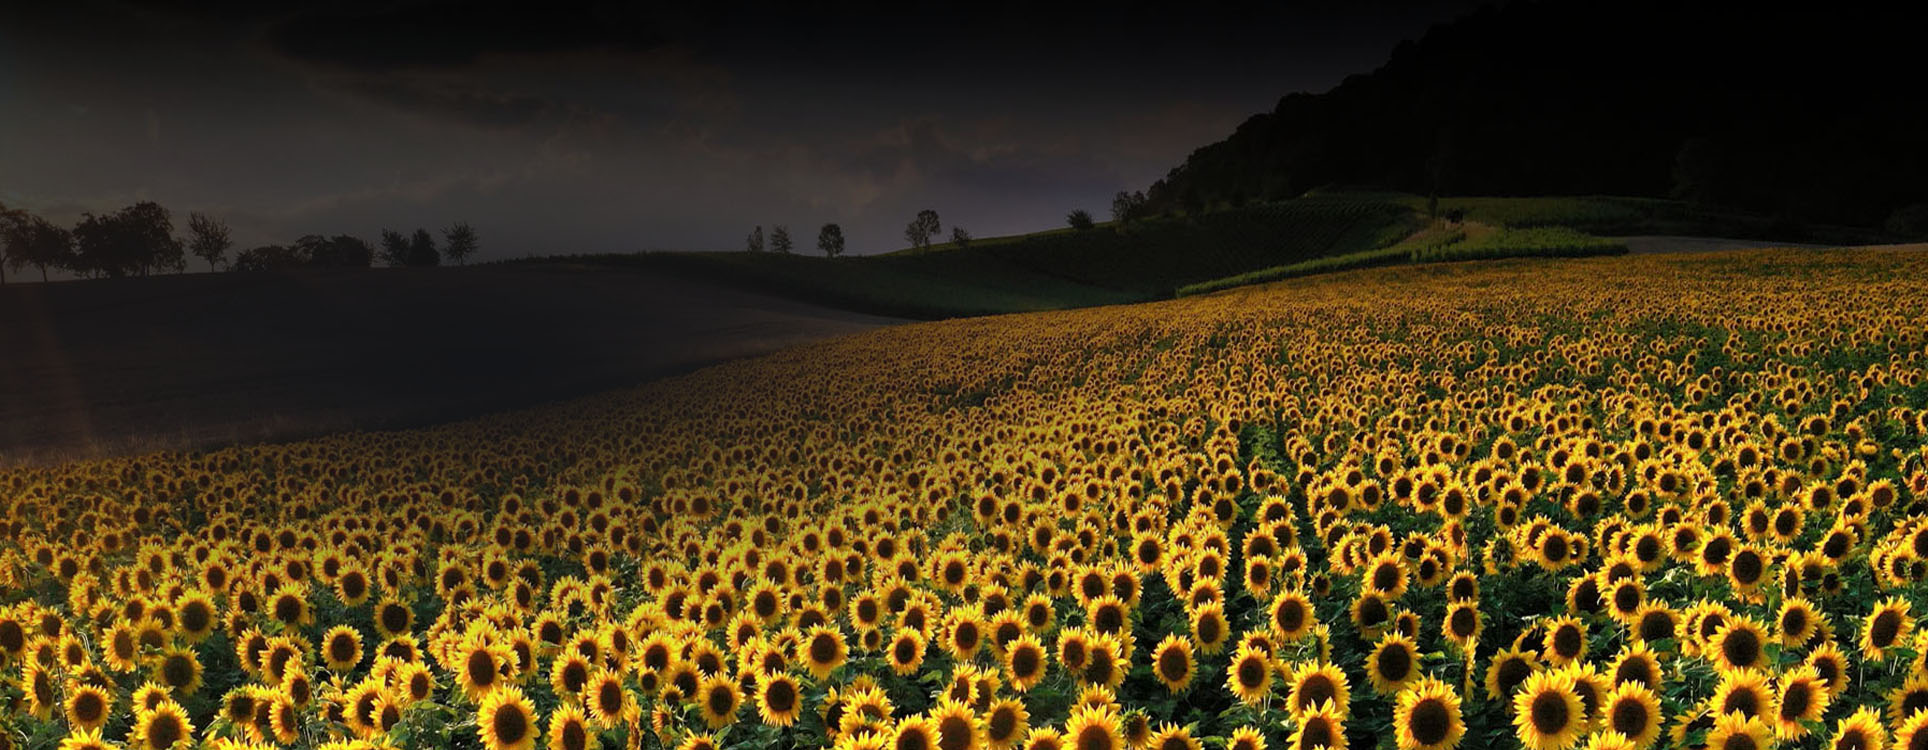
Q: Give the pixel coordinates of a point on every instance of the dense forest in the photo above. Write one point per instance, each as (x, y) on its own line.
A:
(1753, 107)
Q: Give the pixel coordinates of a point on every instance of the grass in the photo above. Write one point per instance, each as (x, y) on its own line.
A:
(1435, 244)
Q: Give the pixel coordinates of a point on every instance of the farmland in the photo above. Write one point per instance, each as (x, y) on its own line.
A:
(1612, 502)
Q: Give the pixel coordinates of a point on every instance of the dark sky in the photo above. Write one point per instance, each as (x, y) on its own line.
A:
(600, 127)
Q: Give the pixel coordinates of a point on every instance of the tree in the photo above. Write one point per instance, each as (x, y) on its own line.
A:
(1079, 219)
(8, 219)
(394, 249)
(960, 237)
(830, 240)
(755, 243)
(136, 239)
(922, 229)
(208, 239)
(1127, 206)
(421, 250)
(30, 240)
(339, 251)
(271, 257)
(459, 242)
(780, 240)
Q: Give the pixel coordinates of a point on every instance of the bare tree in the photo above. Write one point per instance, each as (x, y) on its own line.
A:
(207, 238)
(459, 242)
(780, 240)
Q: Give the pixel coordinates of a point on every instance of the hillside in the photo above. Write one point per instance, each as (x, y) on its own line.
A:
(108, 366)
(1771, 109)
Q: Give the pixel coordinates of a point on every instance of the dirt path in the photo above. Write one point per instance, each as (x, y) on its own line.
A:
(117, 366)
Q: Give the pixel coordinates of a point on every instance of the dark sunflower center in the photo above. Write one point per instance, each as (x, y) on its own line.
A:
(1315, 689)
(954, 733)
(1550, 713)
(1003, 724)
(1251, 673)
(781, 696)
(1172, 665)
(1741, 647)
(1795, 702)
(164, 731)
(481, 668)
(1630, 718)
(1567, 641)
(1095, 738)
(1431, 721)
(722, 702)
(1394, 663)
(510, 725)
(1886, 627)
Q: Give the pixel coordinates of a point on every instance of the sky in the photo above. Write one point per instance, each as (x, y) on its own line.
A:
(579, 127)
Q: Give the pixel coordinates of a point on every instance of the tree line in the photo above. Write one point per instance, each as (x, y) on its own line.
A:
(139, 240)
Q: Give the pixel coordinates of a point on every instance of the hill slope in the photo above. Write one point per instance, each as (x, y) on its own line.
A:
(1773, 109)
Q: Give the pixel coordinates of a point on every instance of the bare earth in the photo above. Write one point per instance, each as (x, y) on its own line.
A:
(127, 365)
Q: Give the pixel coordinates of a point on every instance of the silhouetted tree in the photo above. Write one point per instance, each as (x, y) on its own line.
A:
(960, 237)
(136, 239)
(1079, 219)
(394, 249)
(755, 242)
(830, 240)
(923, 228)
(421, 250)
(1127, 206)
(780, 240)
(8, 218)
(29, 240)
(270, 257)
(459, 242)
(339, 251)
(207, 238)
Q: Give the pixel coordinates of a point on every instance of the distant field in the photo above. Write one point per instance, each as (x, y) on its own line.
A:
(173, 362)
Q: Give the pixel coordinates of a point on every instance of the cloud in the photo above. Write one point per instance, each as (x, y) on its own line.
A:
(440, 34)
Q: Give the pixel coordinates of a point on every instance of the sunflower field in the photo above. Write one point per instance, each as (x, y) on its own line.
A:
(1602, 503)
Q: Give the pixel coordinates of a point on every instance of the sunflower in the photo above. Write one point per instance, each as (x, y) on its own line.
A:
(957, 725)
(1250, 675)
(1737, 732)
(1547, 714)
(1632, 710)
(1885, 627)
(289, 606)
(1565, 641)
(1105, 662)
(1831, 666)
(568, 675)
(822, 651)
(1291, 615)
(609, 702)
(1093, 729)
(1860, 730)
(1172, 663)
(1246, 738)
(1172, 737)
(1908, 699)
(778, 699)
(719, 699)
(1462, 625)
(1025, 662)
(1210, 630)
(341, 648)
(906, 651)
(88, 706)
(1426, 716)
(569, 729)
(915, 733)
(1739, 644)
(1005, 722)
(179, 670)
(1394, 661)
(1370, 613)
(1044, 738)
(1317, 683)
(162, 727)
(484, 667)
(506, 721)
(1796, 622)
(393, 617)
(1804, 697)
(1742, 691)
